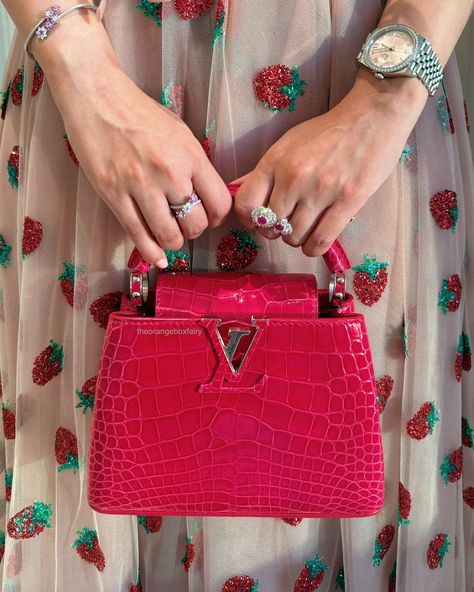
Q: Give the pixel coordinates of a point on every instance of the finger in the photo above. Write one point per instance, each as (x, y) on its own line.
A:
(195, 221)
(253, 192)
(131, 219)
(212, 191)
(329, 227)
(240, 180)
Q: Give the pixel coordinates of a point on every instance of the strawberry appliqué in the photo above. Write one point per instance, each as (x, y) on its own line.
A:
(463, 359)
(137, 587)
(101, 308)
(2, 544)
(340, 582)
(468, 496)
(240, 584)
(172, 97)
(404, 504)
(13, 167)
(153, 10)
(382, 543)
(384, 388)
(48, 363)
(424, 421)
(65, 449)
(293, 521)
(192, 9)
(370, 280)
(449, 297)
(278, 87)
(189, 555)
(87, 394)
(467, 433)
(38, 77)
(70, 151)
(32, 236)
(16, 89)
(9, 421)
(150, 524)
(451, 467)
(437, 550)
(311, 576)
(236, 250)
(177, 261)
(74, 285)
(409, 155)
(88, 548)
(218, 31)
(31, 521)
(4, 95)
(5, 250)
(444, 209)
(8, 484)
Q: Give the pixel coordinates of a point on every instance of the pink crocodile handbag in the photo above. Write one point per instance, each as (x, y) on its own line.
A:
(236, 394)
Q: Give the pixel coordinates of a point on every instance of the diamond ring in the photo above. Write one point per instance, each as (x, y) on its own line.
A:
(283, 227)
(183, 210)
(263, 217)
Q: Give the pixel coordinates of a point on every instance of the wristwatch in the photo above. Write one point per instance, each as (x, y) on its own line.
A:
(398, 50)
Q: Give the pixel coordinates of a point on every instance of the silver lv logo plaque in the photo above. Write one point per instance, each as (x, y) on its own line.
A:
(239, 343)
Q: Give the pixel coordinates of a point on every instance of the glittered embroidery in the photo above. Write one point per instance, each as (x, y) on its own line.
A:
(240, 584)
(466, 117)
(468, 496)
(192, 9)
(237, 250)
(32, 236)
(409, 155)
(370, 280)
(404, 504)
(48, 363)
(65, 449)
(209, 139)
(451, 467)
(445, 114)
(9, 430)
(449, 297)
(2, 544)
(384, 387)
(177, 261)
(87, 395)
(88, 548)
(463, 359)
(31, 521)
(189, 554)
(278, 87)
(13, 166)
(5, 250)
(444, 208)
(150, 524)
(424, 421)
(311, 576)
(5, 95)
(392, 579)
(293, 521)
(437, 550)
(383, 543)
(70, 151)
(38, 77)
(74, 285)
(172, 97)
(467, 433)
(137, 587)
(16, 89)
(8, 484)
(340, 581)
(101, 308)
(219, 24)
(153, 10)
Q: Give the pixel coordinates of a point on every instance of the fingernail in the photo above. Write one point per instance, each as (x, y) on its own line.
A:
(162, 263)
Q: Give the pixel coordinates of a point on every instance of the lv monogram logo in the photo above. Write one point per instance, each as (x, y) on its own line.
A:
(234, 355)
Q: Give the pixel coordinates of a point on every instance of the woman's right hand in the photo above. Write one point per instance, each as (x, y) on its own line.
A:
(139, 156)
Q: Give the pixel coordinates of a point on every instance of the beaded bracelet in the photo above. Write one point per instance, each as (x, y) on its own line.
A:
(51, 17)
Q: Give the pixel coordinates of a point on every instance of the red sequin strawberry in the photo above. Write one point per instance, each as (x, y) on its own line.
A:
(219, 23)
(153, 10)
(138, 586)
(16, 89)
(32, 236)
(423, 422)
(437, 550)
(468, 496)
(383, 543)
(31, 521)
(451, 467)
(70, 150)
(240, 584)
(370, 280)
(467, 433)
(236, 250)
(5, 95)
(88, 548)
(311, 576)
(189, 555)
(48, 363)
(87, 394)
(444, 208)
(74, 285)
(65, 449)
(150, 523)
(292, 521)
(177, 261)
(13, 166)
(8, 484)
(9, 430)
(38, 77)
(404, 504)
(278, 87)
(384, 387)
(5, 250)
(101, 308)
(463, 356)
(209, 140)
(192, 9)
(449, 297)
(2, 544)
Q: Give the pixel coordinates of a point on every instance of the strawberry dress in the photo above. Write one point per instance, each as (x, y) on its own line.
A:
(240, 73)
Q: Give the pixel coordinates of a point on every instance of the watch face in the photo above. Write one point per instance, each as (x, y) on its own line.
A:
(391, 49)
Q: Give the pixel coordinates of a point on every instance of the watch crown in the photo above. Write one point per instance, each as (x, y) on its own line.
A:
(379, 75)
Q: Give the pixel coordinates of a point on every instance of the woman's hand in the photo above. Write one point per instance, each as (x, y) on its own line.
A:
(138, 155)
(320, 173)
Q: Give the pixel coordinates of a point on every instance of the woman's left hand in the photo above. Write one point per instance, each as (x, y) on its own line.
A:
(320, 173)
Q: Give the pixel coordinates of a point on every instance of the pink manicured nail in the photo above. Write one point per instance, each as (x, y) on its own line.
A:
(162, 263)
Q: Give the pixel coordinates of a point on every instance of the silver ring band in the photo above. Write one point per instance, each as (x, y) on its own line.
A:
(183, 210)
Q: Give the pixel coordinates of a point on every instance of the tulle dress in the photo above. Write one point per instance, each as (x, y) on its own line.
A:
(240, 73)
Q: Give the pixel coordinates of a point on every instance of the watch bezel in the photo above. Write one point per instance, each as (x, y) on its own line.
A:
(375, 35)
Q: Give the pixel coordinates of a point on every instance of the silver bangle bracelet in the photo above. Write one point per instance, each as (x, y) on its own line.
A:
(51, 18)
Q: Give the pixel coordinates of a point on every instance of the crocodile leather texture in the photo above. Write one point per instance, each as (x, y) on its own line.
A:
(236, 399)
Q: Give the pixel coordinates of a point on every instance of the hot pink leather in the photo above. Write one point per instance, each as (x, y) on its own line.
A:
(295, 432)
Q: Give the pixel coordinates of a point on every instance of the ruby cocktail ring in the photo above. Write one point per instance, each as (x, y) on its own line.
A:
(263, 217)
